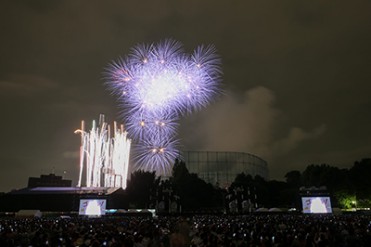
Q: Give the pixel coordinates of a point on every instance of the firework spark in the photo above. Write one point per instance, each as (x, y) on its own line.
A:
(156, 84)
(104, 158)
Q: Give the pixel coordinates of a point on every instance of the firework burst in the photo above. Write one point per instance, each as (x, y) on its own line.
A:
(156, 84)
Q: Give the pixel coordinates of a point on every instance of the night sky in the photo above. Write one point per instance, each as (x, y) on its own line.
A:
(296, 78)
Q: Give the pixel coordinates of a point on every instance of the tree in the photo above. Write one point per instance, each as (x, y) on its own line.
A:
(243, 180)
(180, 171)
(278, 194)
(325, 175)
(344, 199)
(194, 192)
(293, 178)
(139, 188)
(360, 177)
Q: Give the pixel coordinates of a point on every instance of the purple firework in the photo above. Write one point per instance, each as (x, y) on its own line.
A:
(141, 126)
(156, 154)
(156, 84)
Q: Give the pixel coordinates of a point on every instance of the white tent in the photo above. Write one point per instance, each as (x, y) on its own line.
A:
(28, 213)
(275, 210)
(262, 210)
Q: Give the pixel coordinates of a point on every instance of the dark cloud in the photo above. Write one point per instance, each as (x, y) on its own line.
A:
(250, 124)
(297, 76)
(26, 85)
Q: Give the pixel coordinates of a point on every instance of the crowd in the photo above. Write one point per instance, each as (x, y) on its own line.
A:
(247, 230)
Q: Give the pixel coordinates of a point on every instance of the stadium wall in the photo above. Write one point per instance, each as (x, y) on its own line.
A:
(221, 168)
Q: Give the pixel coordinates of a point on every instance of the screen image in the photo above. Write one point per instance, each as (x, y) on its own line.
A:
(316, 205)
(92, 207)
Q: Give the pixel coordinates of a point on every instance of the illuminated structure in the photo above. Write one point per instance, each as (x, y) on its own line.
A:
(222, 167)
(104, 159)
(156, 84)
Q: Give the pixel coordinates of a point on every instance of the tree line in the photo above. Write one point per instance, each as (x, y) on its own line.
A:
(348, 188)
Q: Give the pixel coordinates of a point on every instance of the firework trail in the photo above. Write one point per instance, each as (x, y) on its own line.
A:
(155, 85)
(104, 158)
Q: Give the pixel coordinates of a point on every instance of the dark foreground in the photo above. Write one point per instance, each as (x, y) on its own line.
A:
(251, 230)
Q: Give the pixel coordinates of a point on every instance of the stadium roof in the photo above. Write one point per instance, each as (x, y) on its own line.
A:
(66, 190)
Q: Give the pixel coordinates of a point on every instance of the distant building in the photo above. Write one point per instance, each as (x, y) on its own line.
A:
(221, 168)
(60, 199)
(50, 180)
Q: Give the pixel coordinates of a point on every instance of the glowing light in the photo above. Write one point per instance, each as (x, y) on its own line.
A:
(318, 206)
(104, 159)
(93, 208)
(156, 84)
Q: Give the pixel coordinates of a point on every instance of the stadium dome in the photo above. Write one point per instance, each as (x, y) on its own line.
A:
(221, 168)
